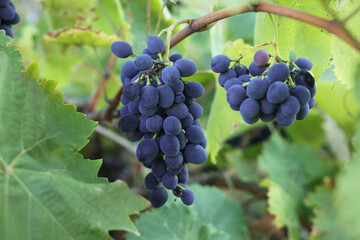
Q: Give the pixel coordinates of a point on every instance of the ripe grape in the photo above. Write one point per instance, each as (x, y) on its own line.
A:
(302, 94)
(121, 49)
(149, 96)
(170, 75)
(154, 123)
(194, 89)
(196, 110)
(172, 126)
(220, 63)
(266, 107)
(143, 62)
(128, 69)
(175, 57)
(236, 95)
(169, 180)
(195, 154)
(284, 120)
(166, 96)
(304, 63)
(277, 92)
(231, 82)
(147, 150)
(186, 67)
(241, 70)
(179, 97)
(158, 197)
(290, 106)
(256, 89)
(306, 78)
(278, 72)
(170, 145)
(255, 70)
(187, 121)
(151, 181)
(155, 44)
(179, 110)
(304, 111)
(174, 162)
(261, 58)
(194, 134)
(128, 123)
(183, 176)
(158, 167)
(223, 77)
(187, 197)
(249, 108)
(312, 102)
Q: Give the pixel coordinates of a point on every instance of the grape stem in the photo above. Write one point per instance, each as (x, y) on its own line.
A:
(159, 17)
(181, 187)
(200, 24)
(169, 32)
(277, 57)
(241, 55)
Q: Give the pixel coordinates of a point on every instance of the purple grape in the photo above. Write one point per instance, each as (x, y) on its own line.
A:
(121, 49)
(187, 197)
(186, 67)
(245, 78)
(195, 154)
(154, 123)
(166, 96)
(284, 120)
(147, 150)
(182, 140)
(155, 44)
(172, 126)
(128, 123)
(267, 117)
(158, 197)
(266, 107)
(302, 94)
(183, 176)
(252, 120)
(128, 69)
(196, 110)
(175, 57)
(178, 110)
(178, 87)
(147, 111)
(152, 55)
(174, 162)
(278, 72)
(223, 77)
(134, 106)
(241, 71)
(143, 62)
(159, 167)
(304, 63)
(194, 134)
(290, 106)
(255, 70)
(249, 108)
(170, 75)
(277, 92)
(220, 63)
(170, 145)
(169, 180)
(194, 89)
(134, 136)
(231, 82)
(149, 96)
(236, 95)
(179, 97)
(256, 89)
(261, 58)
(151, 181)
(306, 78)
(187, 121)
(304, 111)
(312, 102)
(7, 13)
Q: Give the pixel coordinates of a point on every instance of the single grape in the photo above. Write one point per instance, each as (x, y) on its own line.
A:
(121, 49)
(266, 107)
(143, 62)
(134, 136)
(223, 77)
(149, 96)
(186, 67)
(3, 3)
(178, 87)
(142, 124)
(7, 13)
(158, 197)
(182, 140)
(284, 120)
(194, 134)
(290, 106)
(278, 72)
(187, 197)
(313, 92)
(154, 123)
(277, 92)
(179, 97)
(187, 121)
(169, 180)
(170, 145)
(128, 69)
(152, 55)
(255, 70)
(220, 63)
(195, 154)
(177, 170)
(178, 110)
(245, 78)
(183, 176)
(13, 21)
(256, 89)
(174, 162)
(147, 111)
(172, 126)
(261, 58)
(197, 123)
(204, 143)
(304, 63)
(128, 123)
(249, 108)
(147, 150)
(312, 102)
(175, 57)
(151, 181)
(125, 110)
(155, 44)
(159, 167)
(236, 95)
(302, 94)
(166, 96)
(231, 82)
(170, 75)
(196, 110)
(252, 120)
(194, 89)
(306, 78)
(241, 70)
(304, 111)
(134, 106)
(267, 117)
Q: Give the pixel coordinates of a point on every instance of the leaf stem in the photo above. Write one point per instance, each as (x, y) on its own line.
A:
(277, 56)
(159, 17)
(242, 55)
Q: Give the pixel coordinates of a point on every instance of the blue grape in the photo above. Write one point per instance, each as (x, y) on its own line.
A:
(182, 140)
(197, 123)
(261, 58)
(188, 100)
(278, 72)
(166, 96)
(266, 107)
(304, 63)
(155, 44)
(204, 143)
(241, 71)
(290, 106)
(128, 69)
(174, 162)
(170, 75)
(8, 30)
(306, 78)
(304, 111)
(159, 167)
(4, 3)
(143, 62)
(147, 111)
(124, 100)
(186, 67)
(252, 120)
(256, 89)
(195, 154)
(313, 91)
(172, 126)
(178, 87)
(223, 77)
(175, 57)
(187, 121)
(149, 96)
(121, 49)
(255, 70)
(158, 197)
(302, 94)
(154, 123)
(267, 117)
(236, 95)
(13, 21)
(142, 124)
(169, 180)
(196, 110)
(194, 89)
(128, 123)
(134, 106)
(177, 170)
(178, 110)
(284, 120)
(194, 134)
(134, 136)
(151, 181)
(7, 13)
(249, 108)
(220, 63)
(183, 176)
(152, 55)
(170, 145)
(231, 82)
(312, 102)
(147, 150)
(124, 110)
(179, 97)
(149, 135)
(277, 92)
(187, 197)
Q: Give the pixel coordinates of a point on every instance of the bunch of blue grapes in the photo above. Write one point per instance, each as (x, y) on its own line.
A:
(159, 106)
(8, 16)
(283, 91)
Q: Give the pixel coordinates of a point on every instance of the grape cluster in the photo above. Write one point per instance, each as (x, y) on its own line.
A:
(8, 16)
(282, 91)
(159, 106)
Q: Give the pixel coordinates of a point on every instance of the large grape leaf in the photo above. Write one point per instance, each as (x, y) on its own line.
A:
(293, 170)
(47, 189)
(212, 216)
(13, 55)
(304, 39)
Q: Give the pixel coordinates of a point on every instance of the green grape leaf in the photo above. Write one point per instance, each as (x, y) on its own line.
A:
(357, 82)
(47, 189)
(303, 39)
(13, 54)
(292, 170)
(212, 216)
(222, 119)
(346, 58)
(81, 36)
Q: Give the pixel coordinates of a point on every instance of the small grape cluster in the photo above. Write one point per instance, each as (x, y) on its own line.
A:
(8, 16)
(159, 106)
(284, 91)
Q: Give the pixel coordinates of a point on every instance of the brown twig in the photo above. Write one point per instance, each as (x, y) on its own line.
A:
(147, 18)
(332, 26)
